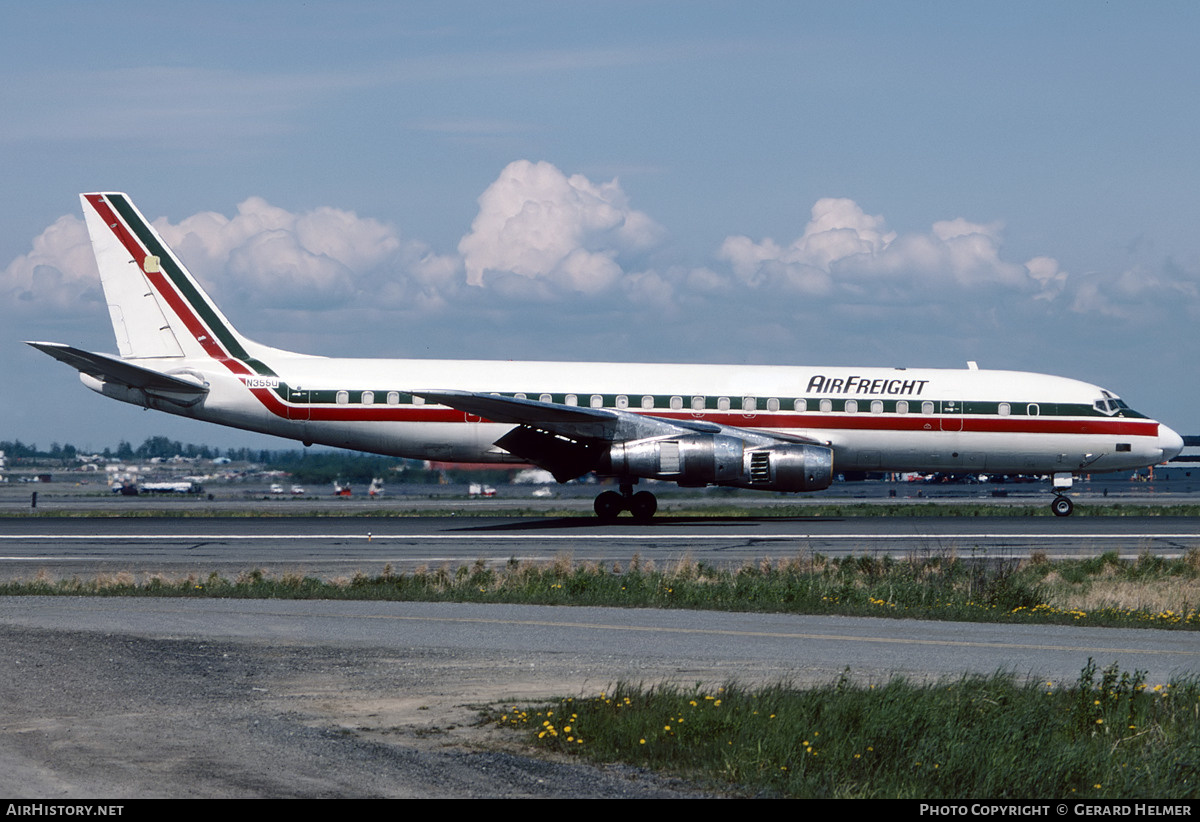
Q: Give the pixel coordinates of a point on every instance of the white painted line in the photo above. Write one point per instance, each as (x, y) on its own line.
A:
(574, 537)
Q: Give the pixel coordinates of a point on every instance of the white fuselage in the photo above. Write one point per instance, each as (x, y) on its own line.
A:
(890, 419)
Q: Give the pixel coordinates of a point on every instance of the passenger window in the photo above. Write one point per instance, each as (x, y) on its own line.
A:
(597, 401)
(368, 397)
(773, 404)
(927, 407)
(393, 398)
(827, 405)
(902, 407)
(1005, 409)
(800, 405)
(676, 403)
(622, 401)
(722, 403)
(876, 406)
(1032, 409)
(571, 399)
(647, 401)
(749, 404)
(343, 397)
(851, 406)
(697, 403)
(545, 398)
(520, 395)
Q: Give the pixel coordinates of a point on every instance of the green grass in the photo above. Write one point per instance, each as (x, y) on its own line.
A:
(974, 738)
(1147, 592)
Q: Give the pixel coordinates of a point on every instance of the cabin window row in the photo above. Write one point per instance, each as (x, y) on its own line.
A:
(707, 403)
(368, 398)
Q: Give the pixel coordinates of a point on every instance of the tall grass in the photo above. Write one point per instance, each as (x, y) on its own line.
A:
(1147, 592)
(977, 737)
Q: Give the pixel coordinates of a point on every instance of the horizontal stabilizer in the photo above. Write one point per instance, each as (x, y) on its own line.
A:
(115, 370)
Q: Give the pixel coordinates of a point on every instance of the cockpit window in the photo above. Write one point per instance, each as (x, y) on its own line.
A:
(1108, 404)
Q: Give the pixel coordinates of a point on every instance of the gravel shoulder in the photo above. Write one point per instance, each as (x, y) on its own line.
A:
(94, 715)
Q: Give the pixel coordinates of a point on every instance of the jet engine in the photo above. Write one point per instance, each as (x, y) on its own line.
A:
(696, 460)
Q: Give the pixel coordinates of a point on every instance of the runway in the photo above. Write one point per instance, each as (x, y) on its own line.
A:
(379, 698)
(328, 547)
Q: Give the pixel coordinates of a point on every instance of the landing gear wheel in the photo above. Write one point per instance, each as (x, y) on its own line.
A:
(608, 506)
(1062, 507)
(642, 505)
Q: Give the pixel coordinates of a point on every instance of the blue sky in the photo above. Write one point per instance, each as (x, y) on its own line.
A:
(866, 183)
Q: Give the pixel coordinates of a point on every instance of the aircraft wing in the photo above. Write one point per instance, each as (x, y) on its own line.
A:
(111, 369)
(569, 440)
(564, 420)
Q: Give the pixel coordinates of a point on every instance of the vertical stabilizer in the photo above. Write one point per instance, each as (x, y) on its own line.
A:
(157, 307)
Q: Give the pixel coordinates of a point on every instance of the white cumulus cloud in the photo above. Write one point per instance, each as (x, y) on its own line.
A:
(57, 275)
(536, 222)
(845, 252)
(267, 255)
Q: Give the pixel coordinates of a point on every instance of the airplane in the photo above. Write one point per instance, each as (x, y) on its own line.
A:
(770, 428)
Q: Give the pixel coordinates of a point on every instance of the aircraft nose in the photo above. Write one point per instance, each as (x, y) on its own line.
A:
(1170, 442)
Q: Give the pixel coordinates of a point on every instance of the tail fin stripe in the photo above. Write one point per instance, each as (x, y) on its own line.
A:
(182, 284)
(138, 248)
(188, 303)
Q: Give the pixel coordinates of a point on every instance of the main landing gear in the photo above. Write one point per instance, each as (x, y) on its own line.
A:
(1062, 505)
(610, 504)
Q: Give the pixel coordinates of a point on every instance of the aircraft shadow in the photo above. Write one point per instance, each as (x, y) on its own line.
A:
(663, 523)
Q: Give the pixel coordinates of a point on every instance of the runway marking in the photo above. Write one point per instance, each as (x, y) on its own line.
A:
(577, 537)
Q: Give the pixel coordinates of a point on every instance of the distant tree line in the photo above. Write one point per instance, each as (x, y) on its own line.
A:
(311, 467)
(153, 447)
(305, 466)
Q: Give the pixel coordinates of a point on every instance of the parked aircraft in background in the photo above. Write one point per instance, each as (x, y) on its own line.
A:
(770, 428)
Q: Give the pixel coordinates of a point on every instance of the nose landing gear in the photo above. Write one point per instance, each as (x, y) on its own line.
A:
(1062, 505)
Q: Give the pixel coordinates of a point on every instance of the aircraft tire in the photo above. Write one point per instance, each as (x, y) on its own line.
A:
(608, 506)
(1062, 506)
(643, 505)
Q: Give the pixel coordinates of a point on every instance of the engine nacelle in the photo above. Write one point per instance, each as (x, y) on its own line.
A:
(720, 459)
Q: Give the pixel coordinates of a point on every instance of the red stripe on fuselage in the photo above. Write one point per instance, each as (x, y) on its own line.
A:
(892, 424)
